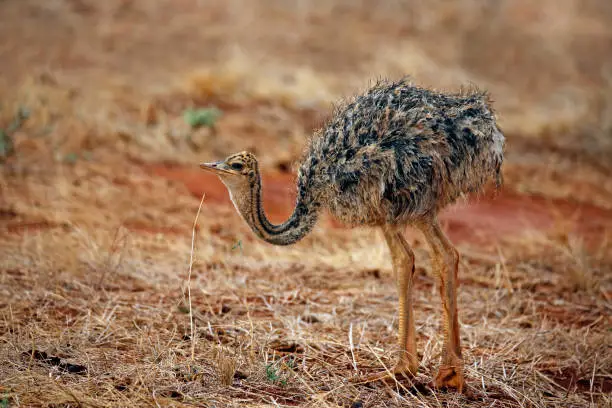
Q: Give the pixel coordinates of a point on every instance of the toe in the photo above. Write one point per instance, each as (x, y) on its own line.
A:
(408, 370)
(450, 377)
(365, 379)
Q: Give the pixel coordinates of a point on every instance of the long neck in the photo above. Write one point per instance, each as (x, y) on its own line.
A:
(300, 223)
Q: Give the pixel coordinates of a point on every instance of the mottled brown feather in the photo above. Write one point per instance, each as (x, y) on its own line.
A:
(393, 155)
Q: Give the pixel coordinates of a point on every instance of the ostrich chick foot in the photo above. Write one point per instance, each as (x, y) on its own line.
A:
(450, 376)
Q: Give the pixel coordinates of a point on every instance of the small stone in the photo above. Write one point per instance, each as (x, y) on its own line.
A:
(239, 375)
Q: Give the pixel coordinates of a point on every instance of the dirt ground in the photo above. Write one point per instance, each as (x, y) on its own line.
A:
(100, 186)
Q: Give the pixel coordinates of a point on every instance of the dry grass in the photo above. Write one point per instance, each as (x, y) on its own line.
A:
(272, 329)
(108, 297)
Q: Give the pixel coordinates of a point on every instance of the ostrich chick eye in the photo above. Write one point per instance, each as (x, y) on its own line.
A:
(237, 166)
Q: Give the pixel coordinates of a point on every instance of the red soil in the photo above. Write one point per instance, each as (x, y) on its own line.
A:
(279, 190)
(482, 219)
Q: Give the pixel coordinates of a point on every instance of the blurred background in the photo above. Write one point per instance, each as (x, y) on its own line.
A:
(274, 68)
(106, 109)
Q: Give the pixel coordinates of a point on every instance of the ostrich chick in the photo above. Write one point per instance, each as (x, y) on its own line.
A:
(391, 157)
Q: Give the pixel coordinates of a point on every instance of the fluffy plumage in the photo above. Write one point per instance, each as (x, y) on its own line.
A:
(390, 157)
(401, 152)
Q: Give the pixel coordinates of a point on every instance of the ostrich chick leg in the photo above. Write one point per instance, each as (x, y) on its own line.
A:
(445, 263)
(403, 266)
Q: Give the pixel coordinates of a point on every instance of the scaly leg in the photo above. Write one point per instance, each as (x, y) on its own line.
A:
(445, 262)
(403, 266)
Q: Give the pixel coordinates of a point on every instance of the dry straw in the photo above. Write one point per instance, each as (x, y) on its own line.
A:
(191, 323)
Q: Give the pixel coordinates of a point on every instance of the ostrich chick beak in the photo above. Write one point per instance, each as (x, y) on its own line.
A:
(215, 167)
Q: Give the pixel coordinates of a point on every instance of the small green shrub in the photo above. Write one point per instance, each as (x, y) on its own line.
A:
(202, 117)
(6, 142)
(273, 375)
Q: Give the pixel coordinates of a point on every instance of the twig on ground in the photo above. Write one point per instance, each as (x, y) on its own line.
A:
(191, 324)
